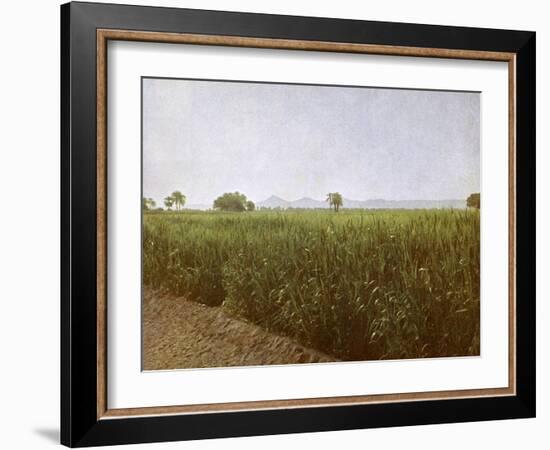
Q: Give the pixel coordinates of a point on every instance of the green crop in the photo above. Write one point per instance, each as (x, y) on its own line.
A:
(358, 284)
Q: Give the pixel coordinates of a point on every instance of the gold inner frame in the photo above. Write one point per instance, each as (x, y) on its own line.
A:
(104, 35)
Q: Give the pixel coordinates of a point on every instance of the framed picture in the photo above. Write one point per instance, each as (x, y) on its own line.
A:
(276, 224)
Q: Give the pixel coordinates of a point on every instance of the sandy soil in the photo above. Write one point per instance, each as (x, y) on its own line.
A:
(179, 334)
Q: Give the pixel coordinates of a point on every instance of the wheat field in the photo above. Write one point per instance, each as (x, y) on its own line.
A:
(358, 284)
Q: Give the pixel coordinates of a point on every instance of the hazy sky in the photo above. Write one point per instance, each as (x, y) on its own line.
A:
(205, 138)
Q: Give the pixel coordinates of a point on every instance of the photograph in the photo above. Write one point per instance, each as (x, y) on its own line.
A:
(300, 223)
(281, 223)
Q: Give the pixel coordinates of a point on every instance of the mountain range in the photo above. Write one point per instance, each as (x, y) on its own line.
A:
(275, 202)
(311, 203)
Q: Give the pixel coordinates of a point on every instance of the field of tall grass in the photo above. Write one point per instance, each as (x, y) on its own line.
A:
(358, 284)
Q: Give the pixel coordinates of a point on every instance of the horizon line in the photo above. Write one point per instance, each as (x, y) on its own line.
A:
(350, 199)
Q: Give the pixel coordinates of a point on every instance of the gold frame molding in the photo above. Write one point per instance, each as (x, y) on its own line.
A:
(103, 36)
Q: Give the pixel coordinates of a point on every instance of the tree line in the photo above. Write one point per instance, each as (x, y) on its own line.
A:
(229, 201)
(176, 199)
(238, 202)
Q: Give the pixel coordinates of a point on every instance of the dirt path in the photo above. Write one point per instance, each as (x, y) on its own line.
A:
(179, 334)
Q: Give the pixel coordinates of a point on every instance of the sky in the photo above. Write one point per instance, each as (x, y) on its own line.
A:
(205, 138)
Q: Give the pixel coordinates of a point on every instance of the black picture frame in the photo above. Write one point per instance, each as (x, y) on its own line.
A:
(80, 425)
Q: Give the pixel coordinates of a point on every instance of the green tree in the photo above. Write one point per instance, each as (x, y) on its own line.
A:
(148, 204)
(335, 200)
(329, 199)
(474, 201)
(169, 202)
(250, 206)
(231, 201)
(179, 199)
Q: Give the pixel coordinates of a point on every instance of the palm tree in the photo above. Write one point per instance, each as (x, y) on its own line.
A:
(179, 199)
(335, 200)
(148, 204)
(329, 199)
(169, 202)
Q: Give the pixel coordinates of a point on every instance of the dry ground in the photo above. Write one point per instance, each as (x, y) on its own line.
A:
(179, 334)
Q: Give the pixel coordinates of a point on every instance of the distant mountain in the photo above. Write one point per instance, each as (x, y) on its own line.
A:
(308, 203)
(273, 202)
(311, 203)
(411, 204)
(404, 204)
